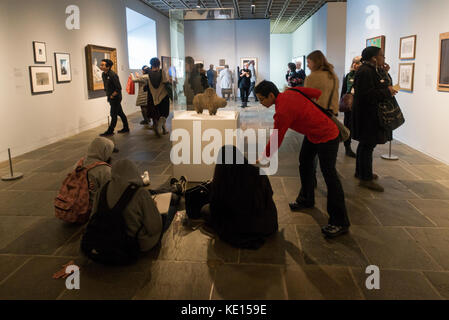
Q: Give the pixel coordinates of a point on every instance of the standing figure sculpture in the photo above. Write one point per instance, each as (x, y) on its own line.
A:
(208, 100)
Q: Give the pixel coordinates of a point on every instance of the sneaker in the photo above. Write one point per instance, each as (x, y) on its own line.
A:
(107, 134)
(124, 130)
(115, 150)
(332, 231)
(298, 206)
(350, 153)
(371, 185)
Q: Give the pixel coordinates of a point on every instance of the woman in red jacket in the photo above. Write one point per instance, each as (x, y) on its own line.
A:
(294, 111)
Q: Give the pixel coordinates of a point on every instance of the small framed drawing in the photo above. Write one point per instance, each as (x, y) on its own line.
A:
(443, 68)
(222, 62)
(248, 60)
(41, 78)
(63, 71)
(40, 52)
(407, 48)
(406, 76)
(376, 42)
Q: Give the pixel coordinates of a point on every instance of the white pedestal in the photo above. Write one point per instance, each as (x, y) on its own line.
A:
(223, 120)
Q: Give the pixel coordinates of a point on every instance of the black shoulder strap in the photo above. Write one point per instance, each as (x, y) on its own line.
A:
(125, 199)
(102, 202)
(326, 112)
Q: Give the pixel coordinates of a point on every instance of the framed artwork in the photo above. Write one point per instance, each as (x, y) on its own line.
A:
(166, 63)
(406, 76)
(94, 55)
(376, 42)
(222, 62)
(443, 68)
(41, 78)
(248, 60)
(219, 69)
(407, 48)
(63, 70)
(40, 52)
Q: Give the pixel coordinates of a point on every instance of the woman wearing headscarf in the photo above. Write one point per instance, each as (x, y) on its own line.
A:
(348, 88)
(372, 85)
(241, 211)
(141, 214)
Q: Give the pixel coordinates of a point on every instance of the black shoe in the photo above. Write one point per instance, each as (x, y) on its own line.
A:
(331, 231)
(124, 130)
(107, 134)
(115, 150)
(350, 153)
(298, 206)
(375, 176)
(143, 122)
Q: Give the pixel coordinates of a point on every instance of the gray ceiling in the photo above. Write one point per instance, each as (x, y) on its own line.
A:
(285, 15)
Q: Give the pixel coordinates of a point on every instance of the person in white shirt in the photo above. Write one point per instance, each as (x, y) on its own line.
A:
(226, 81)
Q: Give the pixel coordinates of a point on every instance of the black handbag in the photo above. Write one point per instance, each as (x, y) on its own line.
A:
(390, 115)
(196, 198)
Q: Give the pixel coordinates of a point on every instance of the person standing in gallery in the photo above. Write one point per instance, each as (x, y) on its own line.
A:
(372, 85)
(113, 90)
(252, 68)
(245, 84)
(301, 73)
(160, 104)
(142, 95)
(348, 88)
(296, 110)
(293, 78)
(212, 77)
(226, 81)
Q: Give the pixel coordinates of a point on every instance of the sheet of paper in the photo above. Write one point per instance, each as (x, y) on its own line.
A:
(162, 202)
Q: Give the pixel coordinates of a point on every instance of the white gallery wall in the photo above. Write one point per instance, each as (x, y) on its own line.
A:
(280, 56)
(28, 122)
(325, 31)
(426, 110)
(231, 40)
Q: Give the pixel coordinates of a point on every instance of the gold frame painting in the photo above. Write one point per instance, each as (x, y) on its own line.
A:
(94, 55)
(443, 84)
(256, 65)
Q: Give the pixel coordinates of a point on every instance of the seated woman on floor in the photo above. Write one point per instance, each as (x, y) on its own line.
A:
(241, 210)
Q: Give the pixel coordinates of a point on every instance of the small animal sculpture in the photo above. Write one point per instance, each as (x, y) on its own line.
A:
(208, 100)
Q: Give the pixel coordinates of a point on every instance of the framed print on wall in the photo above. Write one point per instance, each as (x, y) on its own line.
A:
(376, 42)
(443, 68)
(407, 48)
(94, 55)
(40, 52)
(406, 76)
(63, 70)
(41, 78)
(248, 60)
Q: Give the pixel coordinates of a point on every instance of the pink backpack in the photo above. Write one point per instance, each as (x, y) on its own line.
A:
(73, 201)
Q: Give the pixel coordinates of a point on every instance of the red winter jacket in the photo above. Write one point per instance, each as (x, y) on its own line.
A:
(294, 111)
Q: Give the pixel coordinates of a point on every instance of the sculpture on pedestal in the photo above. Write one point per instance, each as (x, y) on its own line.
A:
(208, 100)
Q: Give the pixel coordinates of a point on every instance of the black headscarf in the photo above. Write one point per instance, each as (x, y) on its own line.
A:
(369, 53)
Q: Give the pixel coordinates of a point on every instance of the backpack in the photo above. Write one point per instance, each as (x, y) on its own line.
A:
(105, 239)
(73, 201)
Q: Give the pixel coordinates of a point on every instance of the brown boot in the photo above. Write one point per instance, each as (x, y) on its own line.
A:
(371, 185)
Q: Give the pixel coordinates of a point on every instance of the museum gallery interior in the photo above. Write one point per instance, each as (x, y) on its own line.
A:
(123, 123)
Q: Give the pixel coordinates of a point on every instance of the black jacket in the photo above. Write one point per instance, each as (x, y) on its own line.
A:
(112, 84)
(371, 88)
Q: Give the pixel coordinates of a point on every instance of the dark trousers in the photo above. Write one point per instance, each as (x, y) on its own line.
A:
(116, 110)
(244, 93)
(144, 110)
(364, 161)
(167, 218)
(327, 155)
(251, 89)
(348, 124)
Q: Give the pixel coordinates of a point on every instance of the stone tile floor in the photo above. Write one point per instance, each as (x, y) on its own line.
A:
(404, 231)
